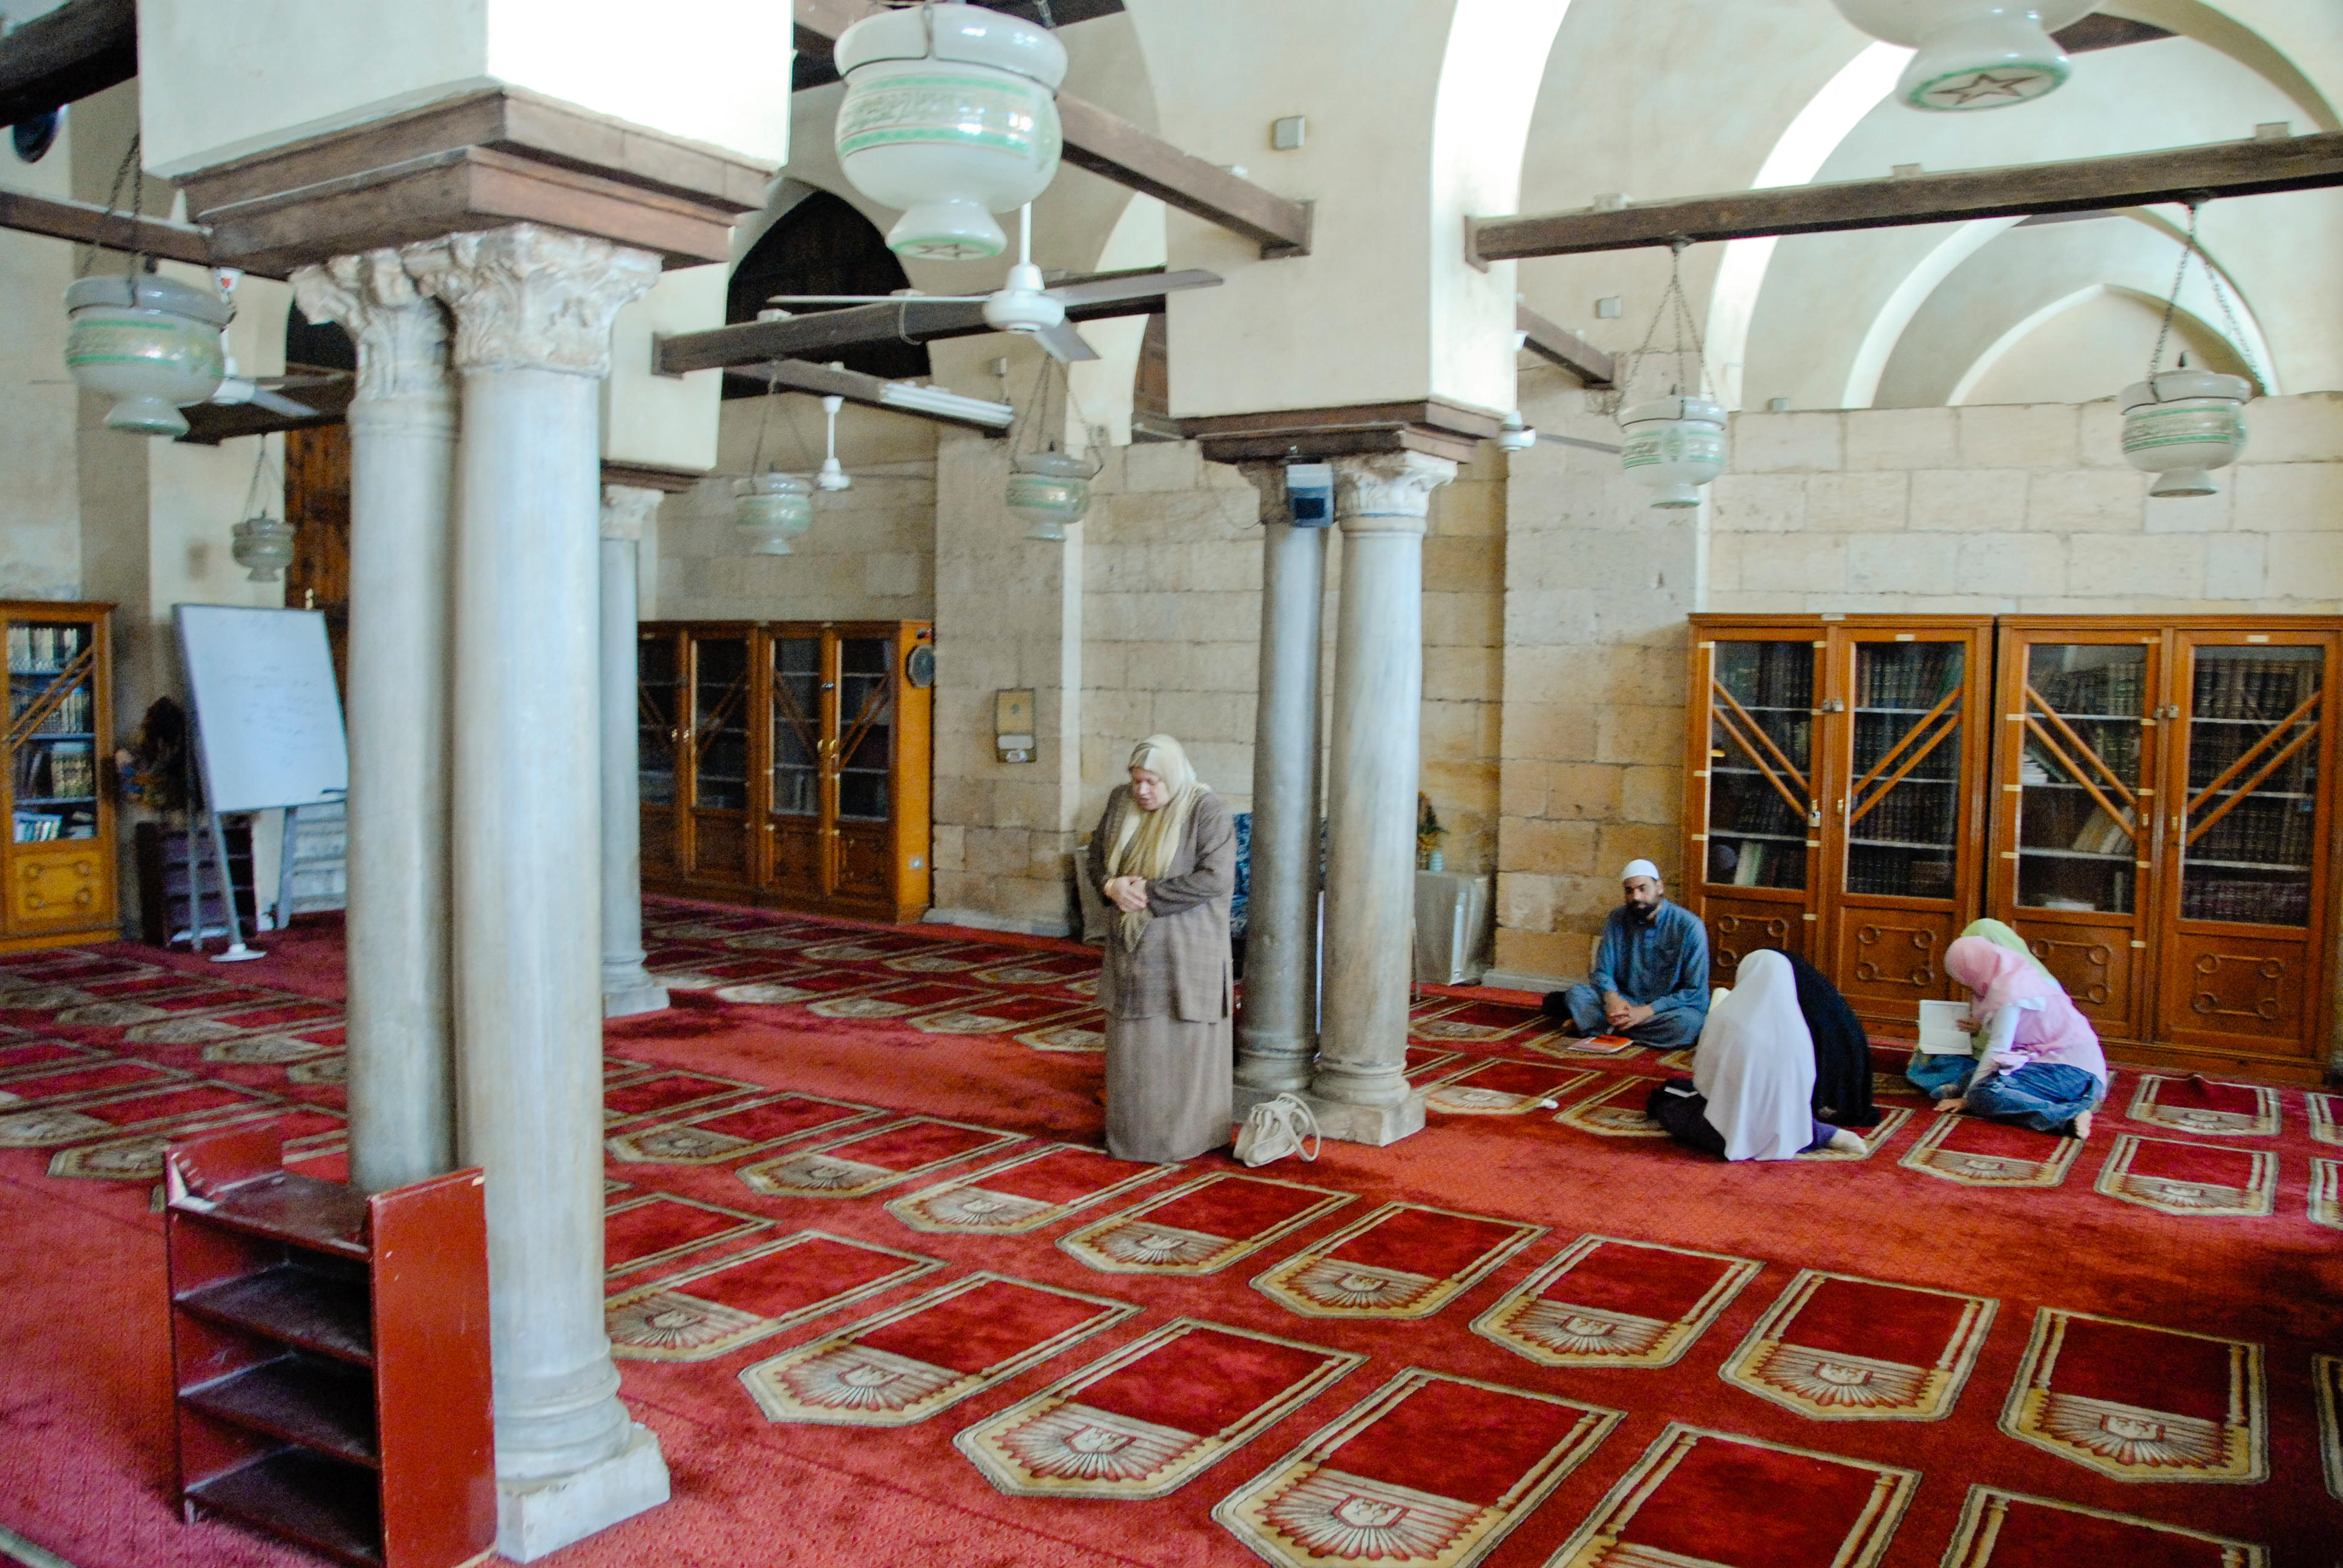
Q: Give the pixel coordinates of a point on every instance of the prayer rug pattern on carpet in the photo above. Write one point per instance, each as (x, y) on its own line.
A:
(1359, 1271)
(827, 1372)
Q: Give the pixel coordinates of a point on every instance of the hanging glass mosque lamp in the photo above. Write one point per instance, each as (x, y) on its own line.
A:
(1675, 443)
(2180, 425)
(951, 114)
(1972, 54)
(1049, 490)
(261, 544)
(770, 509)
(148, 342)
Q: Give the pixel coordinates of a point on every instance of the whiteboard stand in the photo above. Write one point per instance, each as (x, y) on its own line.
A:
(238, 952)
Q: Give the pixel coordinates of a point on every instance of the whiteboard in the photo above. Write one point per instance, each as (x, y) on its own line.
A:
(268, 720)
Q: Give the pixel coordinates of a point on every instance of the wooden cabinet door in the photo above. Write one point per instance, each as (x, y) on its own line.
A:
(797, 827)
(2075, 846)
(2246, 826)
(1751, 805)
(59, 854)
(719, 756)
(1903, 814)
(862, 767)
(659, 697)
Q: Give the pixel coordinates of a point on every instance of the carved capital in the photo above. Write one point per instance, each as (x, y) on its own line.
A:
(1387, 492)
(627, 511)
(531, 299)
(1268, 479)
(401, 331)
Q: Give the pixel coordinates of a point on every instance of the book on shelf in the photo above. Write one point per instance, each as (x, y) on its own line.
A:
(2103, 834)
(1752, 865)
(37, 827)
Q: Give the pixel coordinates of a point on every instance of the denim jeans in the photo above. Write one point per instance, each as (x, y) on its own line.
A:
(2045, 1096)
(1661, 1031)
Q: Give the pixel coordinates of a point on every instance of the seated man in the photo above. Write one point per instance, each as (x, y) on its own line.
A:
(1651, 970)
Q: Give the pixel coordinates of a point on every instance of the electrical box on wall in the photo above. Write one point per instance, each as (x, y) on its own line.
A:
(1012, 725)
(1310, 493)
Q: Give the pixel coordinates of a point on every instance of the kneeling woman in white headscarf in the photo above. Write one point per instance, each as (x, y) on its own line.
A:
(1164, 856)
(1751, 1095)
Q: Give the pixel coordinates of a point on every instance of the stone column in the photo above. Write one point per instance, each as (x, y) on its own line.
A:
(533, 308)
(627, 986)
(1360, 1092)
(402, 426)
(1277, 1031)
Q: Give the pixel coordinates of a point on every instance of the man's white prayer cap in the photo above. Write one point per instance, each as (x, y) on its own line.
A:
(1639, 869)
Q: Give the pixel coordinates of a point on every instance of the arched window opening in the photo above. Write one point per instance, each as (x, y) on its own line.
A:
(822, 246)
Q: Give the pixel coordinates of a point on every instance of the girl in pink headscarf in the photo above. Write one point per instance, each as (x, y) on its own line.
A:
(2038, 1063)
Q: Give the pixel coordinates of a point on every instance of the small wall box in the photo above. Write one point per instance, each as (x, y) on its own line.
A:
(329, 1354)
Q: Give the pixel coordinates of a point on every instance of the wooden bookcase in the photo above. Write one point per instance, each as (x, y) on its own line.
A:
(330, 1355)
(2166, 825)
(59, 855)
(1835, 774)
(787, 763)
(2146, 799)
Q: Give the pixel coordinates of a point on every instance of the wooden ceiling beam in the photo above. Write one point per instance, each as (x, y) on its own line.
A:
(1113, 148)
(1559, 346)
(88, 223)
(2253, 168)
(915, 319)
(83, 46)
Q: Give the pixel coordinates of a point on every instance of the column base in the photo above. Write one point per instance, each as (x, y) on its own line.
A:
(1341, 1120)
(537, 1517)
(632, 999)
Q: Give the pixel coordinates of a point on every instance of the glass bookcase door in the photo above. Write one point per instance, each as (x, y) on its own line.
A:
(1761, 795)
(52, 730)
(867, 721)
(1902, 803)
(2248, 844)
(2242, 961)
(2080, 777)
(657, 718)
(797, 839)
(719, 756)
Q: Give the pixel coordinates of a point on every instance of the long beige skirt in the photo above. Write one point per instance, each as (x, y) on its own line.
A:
(1169, 1087)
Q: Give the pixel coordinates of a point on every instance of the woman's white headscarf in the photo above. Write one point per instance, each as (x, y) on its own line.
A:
(1146, 842)
(1757, 1063)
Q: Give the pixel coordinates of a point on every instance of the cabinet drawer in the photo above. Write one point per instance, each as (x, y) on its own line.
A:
(60, 888)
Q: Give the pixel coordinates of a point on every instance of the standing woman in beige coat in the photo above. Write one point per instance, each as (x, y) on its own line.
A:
(1164, 858)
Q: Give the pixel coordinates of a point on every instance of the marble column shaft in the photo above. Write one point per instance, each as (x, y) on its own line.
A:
(533, 309)
(1360, 1089)
(402, 426)
(1277, 1031)
(628, 513)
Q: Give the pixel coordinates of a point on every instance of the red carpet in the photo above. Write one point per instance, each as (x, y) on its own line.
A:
(882, 1300)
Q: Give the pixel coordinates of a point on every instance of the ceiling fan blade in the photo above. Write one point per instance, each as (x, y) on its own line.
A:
(1063, 343)
(1136, 286)
(872, 298)
(264, 399)
(292, 382)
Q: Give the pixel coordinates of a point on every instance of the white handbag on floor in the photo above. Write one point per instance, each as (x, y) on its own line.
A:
(1275, 1129)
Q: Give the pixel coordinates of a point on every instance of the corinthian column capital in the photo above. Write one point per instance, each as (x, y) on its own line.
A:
(531, 299)
(1387, 492)
(401, 333)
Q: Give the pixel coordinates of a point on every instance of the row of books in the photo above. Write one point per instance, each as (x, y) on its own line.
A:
(46, 827)
(2264, 832)
(44, 649)
(1910, 817)
(1767, 674)
(2252, 688)
(71, 715)
(1905, 675)
(2255, 903)
(1750, 806)
(1897, 874)
(61, 772)
(1755, 863)
(2116, 688)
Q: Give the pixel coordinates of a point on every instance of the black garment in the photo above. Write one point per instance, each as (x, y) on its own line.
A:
(1842, 1050)
(1683, 1109)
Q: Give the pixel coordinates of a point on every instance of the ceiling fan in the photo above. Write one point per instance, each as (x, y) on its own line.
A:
(1027, 303)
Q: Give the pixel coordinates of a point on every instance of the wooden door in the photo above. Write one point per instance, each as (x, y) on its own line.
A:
(1904, 769)
(719, 758)
(658, 750)
(2246, 826)
(318, 505)
(797, 829)
(1752, 807)
(2075, 850)
(862, 767)
(60, 850)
